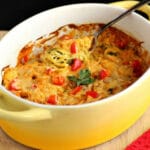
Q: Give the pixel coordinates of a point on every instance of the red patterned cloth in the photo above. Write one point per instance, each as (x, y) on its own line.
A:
(141, 143)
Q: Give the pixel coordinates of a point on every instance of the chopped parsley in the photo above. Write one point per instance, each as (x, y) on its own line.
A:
(84, 78)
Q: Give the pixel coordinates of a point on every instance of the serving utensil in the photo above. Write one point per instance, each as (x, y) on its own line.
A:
(112, 22)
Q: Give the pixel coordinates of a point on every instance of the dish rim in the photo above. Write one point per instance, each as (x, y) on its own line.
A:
(99, 102)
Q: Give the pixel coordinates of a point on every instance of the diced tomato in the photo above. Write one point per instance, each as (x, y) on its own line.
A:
(58, 80)
(52, 99)
(103, 74)
(121, 43)
(66, 37)
(73, 48)
(92, 94)
(13, 86)
(137, 67)
(76, 90)
(77, 63)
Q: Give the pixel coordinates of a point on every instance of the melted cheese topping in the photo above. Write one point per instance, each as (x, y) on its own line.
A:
(60, 69)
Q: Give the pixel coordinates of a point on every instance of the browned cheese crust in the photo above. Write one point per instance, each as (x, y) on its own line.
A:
(60, 69)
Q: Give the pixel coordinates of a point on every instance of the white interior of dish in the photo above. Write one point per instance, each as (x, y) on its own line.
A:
(51, 20)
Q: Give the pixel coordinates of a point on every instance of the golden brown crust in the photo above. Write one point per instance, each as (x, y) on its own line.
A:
(59, 68)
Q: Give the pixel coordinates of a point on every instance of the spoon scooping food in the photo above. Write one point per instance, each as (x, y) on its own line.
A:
(112, 22)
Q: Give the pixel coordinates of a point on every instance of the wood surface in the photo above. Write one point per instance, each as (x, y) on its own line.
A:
(118, 143)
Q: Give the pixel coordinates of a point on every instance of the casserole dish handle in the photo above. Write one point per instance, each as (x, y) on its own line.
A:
(33, 114)
(25, 114)
(128, 4)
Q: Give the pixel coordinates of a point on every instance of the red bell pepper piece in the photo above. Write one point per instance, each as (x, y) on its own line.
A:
(52, 99)
(13, 86)
(103, 74)
(76, 90)
(92, 94)
(58, 80)
(77, 63)
(73, 48)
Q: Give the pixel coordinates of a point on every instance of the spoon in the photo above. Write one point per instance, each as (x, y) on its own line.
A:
(103, 28)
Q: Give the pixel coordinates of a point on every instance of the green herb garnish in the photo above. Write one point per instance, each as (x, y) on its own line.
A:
(84, 78)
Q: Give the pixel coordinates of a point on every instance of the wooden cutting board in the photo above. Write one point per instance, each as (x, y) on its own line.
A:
(118, 143)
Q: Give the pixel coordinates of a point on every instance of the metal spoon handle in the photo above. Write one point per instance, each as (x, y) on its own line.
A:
(121, 16)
